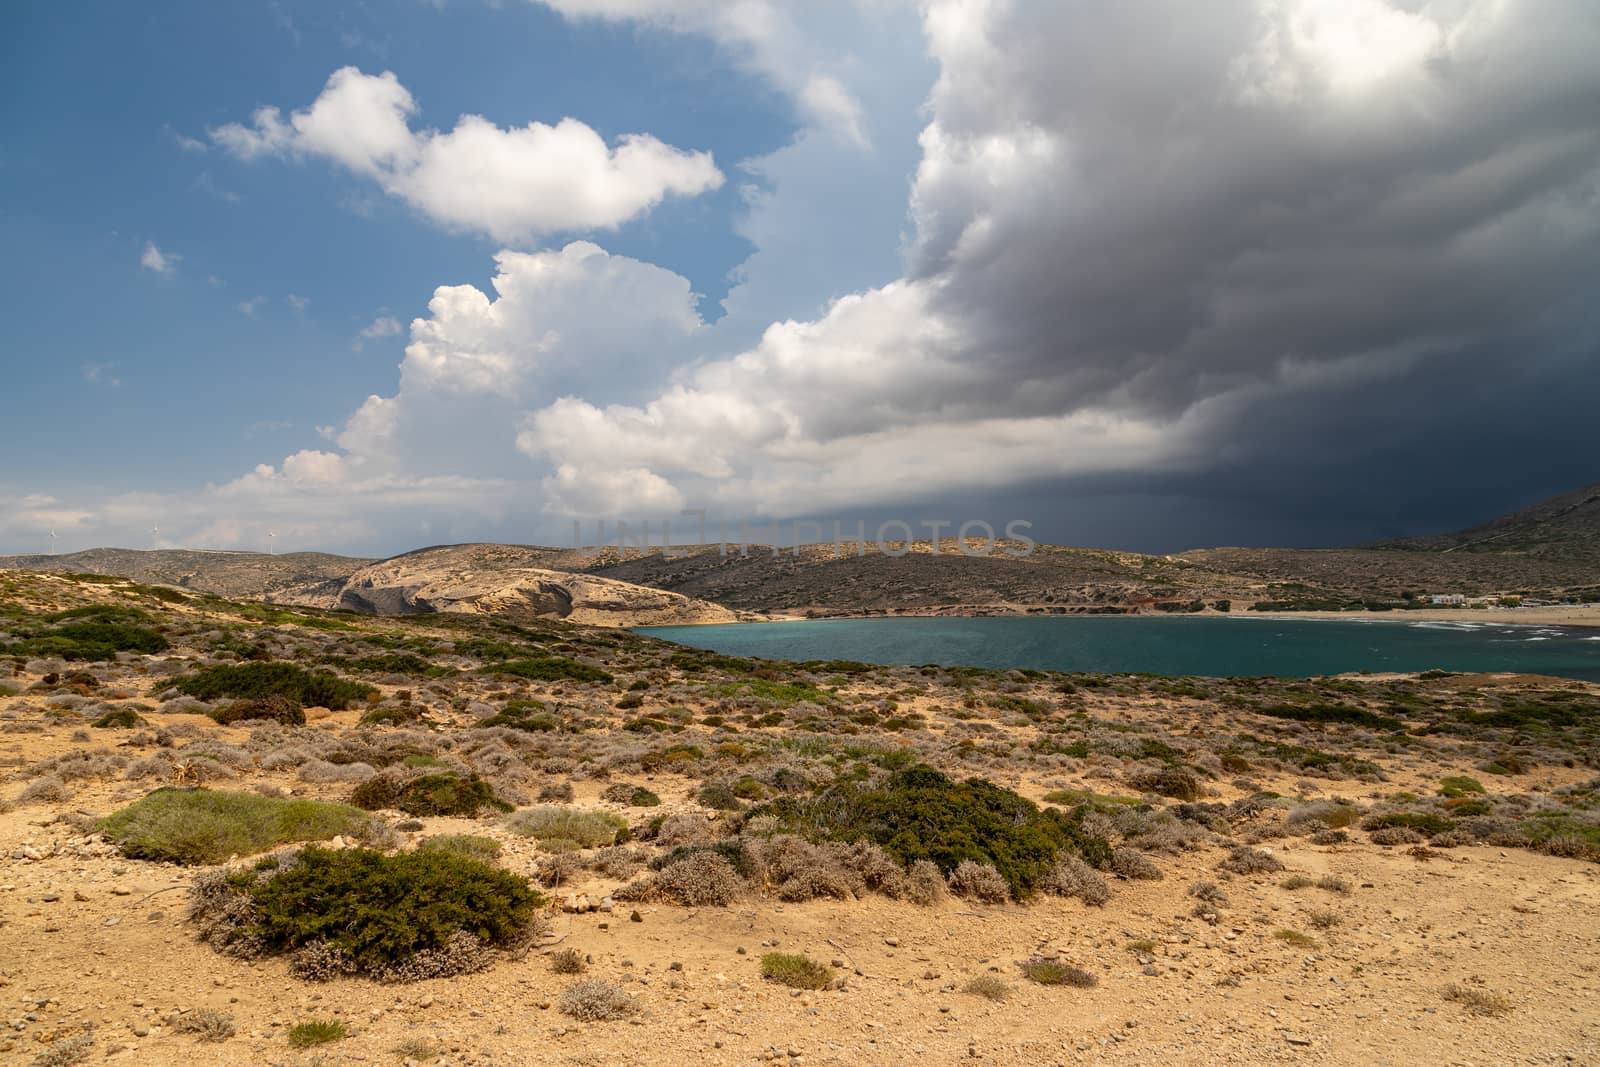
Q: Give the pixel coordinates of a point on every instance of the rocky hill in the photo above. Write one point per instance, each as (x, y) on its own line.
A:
(502, 581)
(230, 574)
(1565, 528)
(862, 579)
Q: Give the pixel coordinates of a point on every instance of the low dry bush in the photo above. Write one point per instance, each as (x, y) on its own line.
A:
(1054, 972)
(981, 882)
(1250, 861)
(701, 877)
(1132, 864)
(585, 829)
(1477, 1001)
(988, 987)
(1072, 877)
(596, 1001)
(203, 826)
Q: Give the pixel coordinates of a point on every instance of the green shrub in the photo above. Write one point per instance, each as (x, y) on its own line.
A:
(200, 826)
(431, 794)
(786, 693)
(276, 708)
(317, 1032)
(93, 640)
(550, 669)
(1327, 713)
(1466, 809)
(120, 719)
(1176, 782)
(919, 814)
(527, 715)
(355, 911)
(99, 613)
(635, 796)
(1425, 823)
(1459, 785)
(391, 715)
(719, 797)
(398, 663)
(309, 688)
(795, 970)
(699, 660)
(490, 650)
(586, 829)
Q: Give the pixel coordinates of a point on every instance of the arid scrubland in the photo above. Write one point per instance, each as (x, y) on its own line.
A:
(241, 834)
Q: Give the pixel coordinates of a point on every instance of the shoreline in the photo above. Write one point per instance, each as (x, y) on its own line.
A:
(1574, 617)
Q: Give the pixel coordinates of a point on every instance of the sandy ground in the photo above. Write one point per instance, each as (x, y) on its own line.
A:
(110, 955)
(92, 941)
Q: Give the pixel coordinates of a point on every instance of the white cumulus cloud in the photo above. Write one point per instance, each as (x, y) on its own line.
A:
(512, 184)
(153, 259)
(770, 37)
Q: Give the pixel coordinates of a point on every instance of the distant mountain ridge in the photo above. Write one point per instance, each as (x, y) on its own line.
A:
(1551, 549)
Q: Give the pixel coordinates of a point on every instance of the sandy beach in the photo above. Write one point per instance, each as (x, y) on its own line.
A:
(1562, 615)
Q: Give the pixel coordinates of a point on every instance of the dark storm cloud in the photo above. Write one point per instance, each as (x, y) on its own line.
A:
(1146, 205)
(1377, 263)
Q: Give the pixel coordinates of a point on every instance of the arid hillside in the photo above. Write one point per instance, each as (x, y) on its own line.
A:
(1564, 528)
(499, 580)
(1550, 551)
(863, 579)
(232, 574)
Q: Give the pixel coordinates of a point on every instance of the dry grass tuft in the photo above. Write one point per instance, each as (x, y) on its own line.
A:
(988, 987)
(1477, 1001)
(207, 1024)
(1054, 972)
(795, 970)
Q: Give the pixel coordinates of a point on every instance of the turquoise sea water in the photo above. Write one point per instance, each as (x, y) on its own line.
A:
(1219, 647)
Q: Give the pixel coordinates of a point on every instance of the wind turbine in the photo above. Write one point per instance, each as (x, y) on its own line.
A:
(52, 542)
(270, 536)
(155, 537)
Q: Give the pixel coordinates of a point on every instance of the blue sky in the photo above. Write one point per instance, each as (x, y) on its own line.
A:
(1155, 275)
(205, 390)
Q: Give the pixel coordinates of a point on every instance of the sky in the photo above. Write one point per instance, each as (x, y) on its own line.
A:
(362, 277)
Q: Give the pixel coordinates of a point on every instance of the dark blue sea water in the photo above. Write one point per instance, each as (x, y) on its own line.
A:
(1206, 646)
